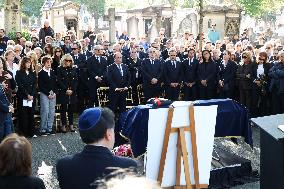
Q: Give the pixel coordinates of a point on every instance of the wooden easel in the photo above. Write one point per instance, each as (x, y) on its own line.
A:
(181, 152)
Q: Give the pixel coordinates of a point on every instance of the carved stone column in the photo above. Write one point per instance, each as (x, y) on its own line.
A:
(12, 12)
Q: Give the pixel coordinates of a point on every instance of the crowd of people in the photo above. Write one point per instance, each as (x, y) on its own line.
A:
(53, 70)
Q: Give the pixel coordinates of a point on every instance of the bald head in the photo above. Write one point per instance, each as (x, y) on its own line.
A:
(117, 58)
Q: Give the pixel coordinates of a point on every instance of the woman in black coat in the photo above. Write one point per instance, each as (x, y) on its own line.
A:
(260, 91)
(246, 76)
(26, 81)
(226, 76)
(207, 76)
(67, 85)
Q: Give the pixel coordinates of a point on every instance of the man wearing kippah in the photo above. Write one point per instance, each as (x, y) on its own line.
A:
(96, 128)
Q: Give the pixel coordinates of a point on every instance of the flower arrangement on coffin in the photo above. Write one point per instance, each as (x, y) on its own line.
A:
(123, 150)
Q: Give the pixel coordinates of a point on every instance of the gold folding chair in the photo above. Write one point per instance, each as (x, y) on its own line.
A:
(129, 99)
(103, 96)
(140, 93)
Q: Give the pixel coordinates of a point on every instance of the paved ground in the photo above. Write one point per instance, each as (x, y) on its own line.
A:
(46, 150)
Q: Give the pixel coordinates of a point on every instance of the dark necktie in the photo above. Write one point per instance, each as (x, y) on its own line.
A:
(120, 69)
(174, 63)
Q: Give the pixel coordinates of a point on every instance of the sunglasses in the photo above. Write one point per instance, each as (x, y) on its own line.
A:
(29, 46)
(68, 60)
(268, 47)
(74, 48)
(244, 57)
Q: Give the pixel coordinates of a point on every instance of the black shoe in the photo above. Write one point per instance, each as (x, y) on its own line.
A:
(47, 133)
(43, 133)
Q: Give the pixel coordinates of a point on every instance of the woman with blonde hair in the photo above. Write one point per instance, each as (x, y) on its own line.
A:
(67, 85)
(16, 164)
(245, 77)
(34, 61)
(11, 66)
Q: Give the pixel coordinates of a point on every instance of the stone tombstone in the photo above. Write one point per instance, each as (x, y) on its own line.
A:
(189, 23)
(132, 27)
(153, 32)
(13, 11)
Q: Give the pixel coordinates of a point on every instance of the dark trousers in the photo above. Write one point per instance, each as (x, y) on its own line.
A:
(190, 93)
(206, 93)
(135, 93)
(69, 109)
(277, 102)
(117, 101)
(152, 91)
(83, 99)
(26, 122)
(172, 93)
(245, 98)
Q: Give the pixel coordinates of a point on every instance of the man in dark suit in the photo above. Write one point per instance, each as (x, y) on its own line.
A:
(152, 72)
(190, 66)
(134, 65)
(96, 128)
(5, 108)
(81, 69)
(172, 75)
(119, 80)
(97, 69)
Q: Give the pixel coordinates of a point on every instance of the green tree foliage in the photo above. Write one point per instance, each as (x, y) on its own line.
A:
(258, 8)
(32, 7)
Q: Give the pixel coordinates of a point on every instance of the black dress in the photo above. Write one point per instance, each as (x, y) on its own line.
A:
(26, 86)
(21, 182)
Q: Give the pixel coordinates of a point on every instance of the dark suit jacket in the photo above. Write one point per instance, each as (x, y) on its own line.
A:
(150, 71)
(246, 83)
(26, 84)
(172, 74)
(227, 74)
(115, 80)
(134, 69)
(207, 71)
(82, 169)
(276, 73)
(80, 59)
(67, 79)
(96, 68)
(190, 70)
(47, 83)
(21, 182)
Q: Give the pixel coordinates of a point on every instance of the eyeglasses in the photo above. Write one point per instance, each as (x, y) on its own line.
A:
(68, 60)
(244, 57)
(29, 46)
